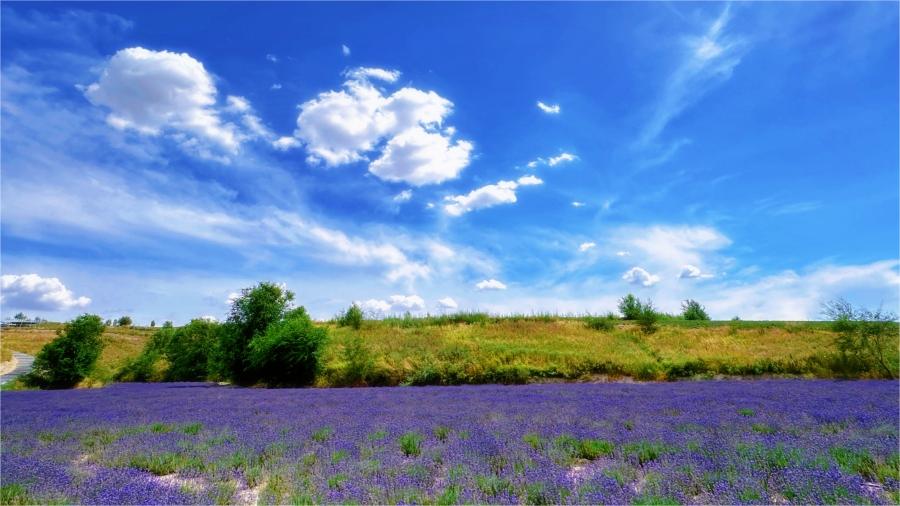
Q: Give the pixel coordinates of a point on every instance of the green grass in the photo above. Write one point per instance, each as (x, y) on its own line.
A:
(472, 348)
(477, 348)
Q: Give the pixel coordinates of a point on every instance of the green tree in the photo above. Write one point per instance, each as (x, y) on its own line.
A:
(693, 310)
(868, 336)
(630, 307)
(20, 317)
(353, 317)
(288, 352)
(188, 350)
(152, 323)
(124, 321)
(71, 357)
(251, 314)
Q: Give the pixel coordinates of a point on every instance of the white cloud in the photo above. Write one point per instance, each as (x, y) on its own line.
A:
(209, 318)
(672, 247)
(275, 86)
(419, 157)
(623, 253)
(30, 291)
(285, 143)
(553, 161)
(576, 203)
(503, 192)
(708, 60)
(233, 296)
(638, 276)
(156, 91)
(403, 196)
(345, 50)
(237, 104)
(693, 272)
(394, 304)
(561, 158)
(447, 303)
(586, 246)
(406, 127)
(272, 58)
(549, 109)
(490, 284)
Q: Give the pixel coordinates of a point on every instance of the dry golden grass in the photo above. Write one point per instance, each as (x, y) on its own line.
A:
(122, 343)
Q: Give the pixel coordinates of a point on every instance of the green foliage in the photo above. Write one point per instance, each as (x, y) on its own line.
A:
(71, 357)
(592, 449)
(630, 307)
(358, 362)
(288, 353)
(411, 444)
(647, 318)
(604, 323)
(864, 335)
(251, 314)
(693, 310)
(187, 350)
(352, 317)
(124, 321)
(141, 368)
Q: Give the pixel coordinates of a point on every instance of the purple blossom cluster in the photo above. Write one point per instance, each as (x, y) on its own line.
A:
(754, 442)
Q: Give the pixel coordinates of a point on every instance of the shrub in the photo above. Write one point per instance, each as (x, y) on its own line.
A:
(188, 349)
(630, 307)
(251, 315)
(353, 317)
(693, 310)
(648, 317)
(358, 361)
(288, 353)
(604, 323)
(411, 444)
(71, 357)
(868, 336)
(124, 321)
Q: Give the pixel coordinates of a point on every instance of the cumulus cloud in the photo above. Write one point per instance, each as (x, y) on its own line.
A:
(672, 246)
(394, 304)
(586, 246)
(693, 272)
(638, 276)
(275, 86)
(31, 291)
(405, 128)
(490, 284)
(576, 203)
(623, 253)
(547, 108)
(272, 58)
(447, 303)
(209, 318)
(345, 50)
(162, 92)
(503, 192)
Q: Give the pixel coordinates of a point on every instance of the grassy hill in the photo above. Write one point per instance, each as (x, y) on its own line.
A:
(483, 349)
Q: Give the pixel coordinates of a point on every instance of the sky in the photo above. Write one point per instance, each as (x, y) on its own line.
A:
(441, 157)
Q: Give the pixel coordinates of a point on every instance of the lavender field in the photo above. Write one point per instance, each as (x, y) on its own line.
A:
(778, 441)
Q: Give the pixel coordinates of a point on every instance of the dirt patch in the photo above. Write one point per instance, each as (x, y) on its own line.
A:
(8, 366)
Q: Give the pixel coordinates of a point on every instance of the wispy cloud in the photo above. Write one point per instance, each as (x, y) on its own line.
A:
(708, 60)
(548, 108)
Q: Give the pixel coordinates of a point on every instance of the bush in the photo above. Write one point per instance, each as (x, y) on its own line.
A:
(251, 315)
(630, 307)
(353, 317)
(288, 353)
(648, 317)
(124, 321)
(71, 357)
(604, 323)
(188, 350)
(358, 362)
(693, 310)
(864, 335)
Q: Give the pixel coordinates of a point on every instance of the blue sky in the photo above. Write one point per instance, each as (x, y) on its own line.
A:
(439, 157)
